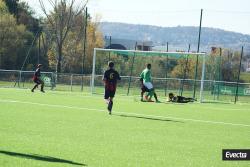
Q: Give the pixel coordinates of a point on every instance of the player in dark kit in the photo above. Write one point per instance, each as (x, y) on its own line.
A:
(179, 99)
(110, 78)
(37, 79)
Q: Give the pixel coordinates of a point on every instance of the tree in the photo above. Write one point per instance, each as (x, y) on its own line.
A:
(25, 16)
(95, 40)
(186, 67)
(3, 8)
(17, 36)
(224, 66)
(61, 20)
(73, 48)
(12, 6)
(14, 39)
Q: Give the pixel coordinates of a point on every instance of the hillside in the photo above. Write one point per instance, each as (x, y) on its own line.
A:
(178, 37)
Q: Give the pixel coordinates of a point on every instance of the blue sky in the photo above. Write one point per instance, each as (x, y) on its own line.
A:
(232, 15)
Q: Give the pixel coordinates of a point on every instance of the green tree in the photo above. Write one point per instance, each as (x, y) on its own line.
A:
(13, 39)
(3, 8)
(73, 42)
(25, 17)
(23, 14)
(12, 6)
(61, 22)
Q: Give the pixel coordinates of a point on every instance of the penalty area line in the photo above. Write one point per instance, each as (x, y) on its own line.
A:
(125, 113)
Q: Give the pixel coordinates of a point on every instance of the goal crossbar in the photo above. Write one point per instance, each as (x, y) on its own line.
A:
(148, 53)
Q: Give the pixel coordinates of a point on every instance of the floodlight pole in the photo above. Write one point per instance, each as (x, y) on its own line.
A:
(202, 78)
(93, 72)
(109, 46)
(84, 44)
(24, 62)
(0, 59)
(219, 78)
(185, 70)
(39, 49)
(197, 57)
(131, 71)
(166, 75)
(238, 79)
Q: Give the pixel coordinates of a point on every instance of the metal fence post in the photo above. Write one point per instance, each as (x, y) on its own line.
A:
(20, 78)
(71, 82)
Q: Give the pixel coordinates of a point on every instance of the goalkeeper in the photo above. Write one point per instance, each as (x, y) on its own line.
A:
(147, 86)
(179, 99)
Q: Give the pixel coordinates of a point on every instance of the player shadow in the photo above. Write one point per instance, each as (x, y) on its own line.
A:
(147, 118)
(40, 158)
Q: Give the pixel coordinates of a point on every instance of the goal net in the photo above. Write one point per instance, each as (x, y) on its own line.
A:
(181, 73)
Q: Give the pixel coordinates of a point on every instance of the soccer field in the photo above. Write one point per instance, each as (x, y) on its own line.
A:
(74, 129)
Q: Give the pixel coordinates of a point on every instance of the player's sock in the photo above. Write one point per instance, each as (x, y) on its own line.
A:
(110, 105)
(142, 96)
(107, 102)
(32, 90)
(148, 96)
(156, 98)
(151, 94)
(42, 88)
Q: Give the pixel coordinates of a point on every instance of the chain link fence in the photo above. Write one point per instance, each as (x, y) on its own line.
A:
(214, 91)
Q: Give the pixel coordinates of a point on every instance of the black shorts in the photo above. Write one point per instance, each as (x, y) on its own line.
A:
(38, 81)
(144, 89)
(108, 93)
(180, 99)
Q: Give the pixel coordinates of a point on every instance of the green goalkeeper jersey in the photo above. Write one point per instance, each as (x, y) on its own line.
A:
(146, 75)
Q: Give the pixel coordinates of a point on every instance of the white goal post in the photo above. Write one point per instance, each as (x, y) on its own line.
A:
(132, 52)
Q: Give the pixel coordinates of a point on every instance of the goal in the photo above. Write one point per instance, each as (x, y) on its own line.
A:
(182, 73)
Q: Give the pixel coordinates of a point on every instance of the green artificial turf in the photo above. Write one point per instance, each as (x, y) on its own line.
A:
(60, 128)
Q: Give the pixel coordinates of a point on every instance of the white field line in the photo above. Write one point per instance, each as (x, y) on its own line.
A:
(49, 105)
(177, 104)
(126, 113)
(132, 98)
